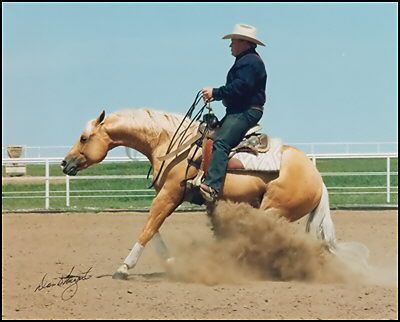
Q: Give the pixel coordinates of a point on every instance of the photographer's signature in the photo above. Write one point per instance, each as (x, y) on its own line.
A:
(70, 281)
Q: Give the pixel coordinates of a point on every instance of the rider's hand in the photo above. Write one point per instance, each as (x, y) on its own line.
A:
(207, 93)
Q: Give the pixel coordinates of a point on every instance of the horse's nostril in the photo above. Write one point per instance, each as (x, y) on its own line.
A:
(63, 163)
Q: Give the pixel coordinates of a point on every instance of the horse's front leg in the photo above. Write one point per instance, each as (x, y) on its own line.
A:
(162, 206)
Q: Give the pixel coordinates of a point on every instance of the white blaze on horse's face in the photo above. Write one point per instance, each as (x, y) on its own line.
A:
(91, 148)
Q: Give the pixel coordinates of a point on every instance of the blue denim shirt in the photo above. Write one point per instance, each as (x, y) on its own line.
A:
(245, 83)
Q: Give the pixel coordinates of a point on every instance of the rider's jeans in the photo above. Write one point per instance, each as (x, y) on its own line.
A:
(233, 129)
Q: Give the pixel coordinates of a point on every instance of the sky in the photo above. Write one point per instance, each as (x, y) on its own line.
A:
(332, 68)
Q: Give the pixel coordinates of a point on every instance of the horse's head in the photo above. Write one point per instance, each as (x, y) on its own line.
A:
(91, 147)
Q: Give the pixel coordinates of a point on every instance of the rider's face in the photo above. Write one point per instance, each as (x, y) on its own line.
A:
(238, 46)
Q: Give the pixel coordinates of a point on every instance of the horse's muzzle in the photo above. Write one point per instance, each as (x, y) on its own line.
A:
(70, 167)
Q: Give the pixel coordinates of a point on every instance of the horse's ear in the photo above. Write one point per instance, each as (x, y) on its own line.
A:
(101, 118)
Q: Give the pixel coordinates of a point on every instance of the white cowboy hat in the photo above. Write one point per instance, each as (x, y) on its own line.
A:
(245, 32)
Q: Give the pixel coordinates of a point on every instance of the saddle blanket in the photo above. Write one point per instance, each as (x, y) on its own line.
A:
(268, 161)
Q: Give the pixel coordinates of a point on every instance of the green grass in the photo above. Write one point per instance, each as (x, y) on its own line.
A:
(358, 165)
(125, 199)
(364, 200)
(355, 165)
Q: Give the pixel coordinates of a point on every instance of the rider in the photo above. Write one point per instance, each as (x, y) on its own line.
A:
(243, 95)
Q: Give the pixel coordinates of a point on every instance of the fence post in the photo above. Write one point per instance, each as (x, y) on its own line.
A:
(314, 160)
(47, 176)
(388, 179)
(67, 189)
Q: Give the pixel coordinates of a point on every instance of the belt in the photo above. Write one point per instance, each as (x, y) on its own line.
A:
(234, 111)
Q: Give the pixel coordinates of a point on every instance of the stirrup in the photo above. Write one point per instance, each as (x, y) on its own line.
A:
(210, 195)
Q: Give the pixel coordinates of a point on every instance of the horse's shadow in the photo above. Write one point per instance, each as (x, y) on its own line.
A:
(146, 277)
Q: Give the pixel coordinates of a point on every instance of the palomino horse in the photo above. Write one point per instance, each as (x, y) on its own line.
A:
(295, 191)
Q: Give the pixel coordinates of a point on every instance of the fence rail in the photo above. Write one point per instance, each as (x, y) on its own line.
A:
(312, 148)
(68, 194)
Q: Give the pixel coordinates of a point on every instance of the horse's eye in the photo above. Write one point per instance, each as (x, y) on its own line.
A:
(83, 139)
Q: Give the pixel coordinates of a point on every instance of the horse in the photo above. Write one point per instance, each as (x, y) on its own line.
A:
(296, 190)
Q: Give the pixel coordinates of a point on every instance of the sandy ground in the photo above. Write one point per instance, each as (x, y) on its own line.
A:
(52, 244)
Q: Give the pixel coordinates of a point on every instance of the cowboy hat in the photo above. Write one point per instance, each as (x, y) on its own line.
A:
(245, 32)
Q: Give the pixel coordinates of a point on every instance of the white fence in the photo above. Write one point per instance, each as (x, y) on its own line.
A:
(310, 148)
(388, 189)
(347, 147)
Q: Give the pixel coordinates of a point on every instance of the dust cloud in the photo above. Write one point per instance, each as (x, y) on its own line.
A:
(252, 244)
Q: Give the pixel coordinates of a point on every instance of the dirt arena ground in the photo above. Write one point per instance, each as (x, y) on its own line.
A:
(40, 249)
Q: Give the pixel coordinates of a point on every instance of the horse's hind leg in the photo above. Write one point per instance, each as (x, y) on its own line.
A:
(270, 207)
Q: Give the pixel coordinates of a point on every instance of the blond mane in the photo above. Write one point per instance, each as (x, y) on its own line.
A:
(159, 121)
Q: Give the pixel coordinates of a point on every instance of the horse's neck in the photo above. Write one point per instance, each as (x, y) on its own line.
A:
(143, 137)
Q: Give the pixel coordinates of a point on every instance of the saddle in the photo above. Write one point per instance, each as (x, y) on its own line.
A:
(253, 142)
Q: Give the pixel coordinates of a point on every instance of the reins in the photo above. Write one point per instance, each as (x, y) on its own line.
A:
(183, 133)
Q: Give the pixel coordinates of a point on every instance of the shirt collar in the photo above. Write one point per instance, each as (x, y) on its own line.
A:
(248, 51)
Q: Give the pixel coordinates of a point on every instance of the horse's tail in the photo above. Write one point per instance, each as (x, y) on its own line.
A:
(320, 223)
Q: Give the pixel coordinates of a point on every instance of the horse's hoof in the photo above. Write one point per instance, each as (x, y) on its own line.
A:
(120, 276)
